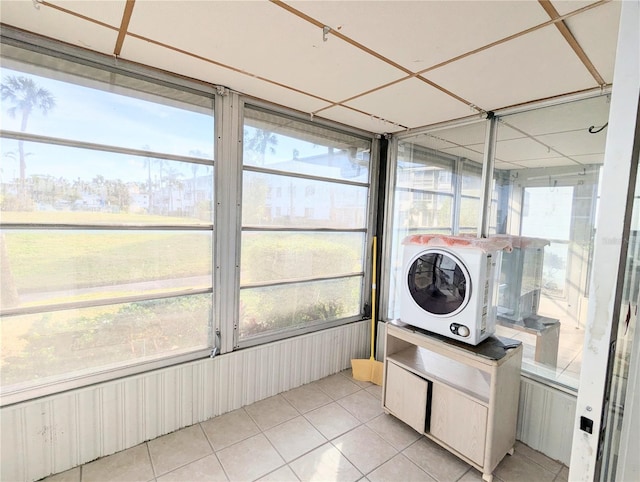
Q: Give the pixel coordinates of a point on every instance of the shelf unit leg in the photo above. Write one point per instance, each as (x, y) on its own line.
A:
(511, 450)
(487, 477)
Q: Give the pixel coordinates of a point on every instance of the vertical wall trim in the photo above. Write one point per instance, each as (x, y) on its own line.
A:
(610, 247)
(228, 199)
(384, 282)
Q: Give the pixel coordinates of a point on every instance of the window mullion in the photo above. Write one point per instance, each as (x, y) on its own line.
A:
(228, 216)
(457, 196)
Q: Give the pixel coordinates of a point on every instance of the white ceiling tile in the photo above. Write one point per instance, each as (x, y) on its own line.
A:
(107, 11)
(474, 133)
(505, 132)
(474, 152)
(465, 140)
(564, 7)
(505, 165)
(534, 66)
(516, 150)
(576, 143)
(265, 40)
(412, 103)
(52, 23)
(589, 159)
(568, 116)
(144, 52)
(596, 31)
(427, 139)
(421, 34)
(548, 162)
(354, 118)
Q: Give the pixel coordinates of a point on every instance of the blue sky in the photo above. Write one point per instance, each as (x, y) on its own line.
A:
(114, 119)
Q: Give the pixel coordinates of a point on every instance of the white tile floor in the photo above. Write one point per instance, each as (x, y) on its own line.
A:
(330, 430)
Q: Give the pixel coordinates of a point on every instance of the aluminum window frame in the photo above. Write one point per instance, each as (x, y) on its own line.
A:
(368, 230)
(30, 43)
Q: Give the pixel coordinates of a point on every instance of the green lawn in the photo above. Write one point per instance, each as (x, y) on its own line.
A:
(39, 260)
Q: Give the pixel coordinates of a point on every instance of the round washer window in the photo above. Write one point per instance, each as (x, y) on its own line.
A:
(438, 283)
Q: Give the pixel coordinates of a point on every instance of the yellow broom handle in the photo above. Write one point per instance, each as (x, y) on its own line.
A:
(373, 297)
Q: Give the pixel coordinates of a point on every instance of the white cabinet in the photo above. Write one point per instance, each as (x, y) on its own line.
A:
(463, 397)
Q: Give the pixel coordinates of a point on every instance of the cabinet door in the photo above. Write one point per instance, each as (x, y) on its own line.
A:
(459, 422)
(406, 396)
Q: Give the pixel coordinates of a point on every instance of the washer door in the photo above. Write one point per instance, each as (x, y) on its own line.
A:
(439, 283)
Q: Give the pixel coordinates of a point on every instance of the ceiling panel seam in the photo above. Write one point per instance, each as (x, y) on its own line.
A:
(571, 40)
(514, 36)
(350, 41)
(124, 25)
(535, 139)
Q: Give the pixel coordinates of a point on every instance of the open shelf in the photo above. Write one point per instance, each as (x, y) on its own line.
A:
(436, 367)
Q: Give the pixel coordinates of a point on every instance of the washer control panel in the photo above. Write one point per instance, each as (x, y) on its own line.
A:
(460, 330)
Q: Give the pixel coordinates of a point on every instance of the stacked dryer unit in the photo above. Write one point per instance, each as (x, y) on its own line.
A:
(451, 289)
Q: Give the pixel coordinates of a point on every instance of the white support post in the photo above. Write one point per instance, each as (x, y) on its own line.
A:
(228, 196)
(612, 229)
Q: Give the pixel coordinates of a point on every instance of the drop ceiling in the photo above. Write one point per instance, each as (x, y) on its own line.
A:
(384, 66)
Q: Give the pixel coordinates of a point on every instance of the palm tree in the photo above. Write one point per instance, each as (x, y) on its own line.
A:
(25, 96)
(260, 141)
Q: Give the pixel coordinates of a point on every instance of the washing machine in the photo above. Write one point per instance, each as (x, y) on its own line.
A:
(451, 290)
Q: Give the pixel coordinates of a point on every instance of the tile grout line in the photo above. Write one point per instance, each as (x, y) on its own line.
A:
(213, 451)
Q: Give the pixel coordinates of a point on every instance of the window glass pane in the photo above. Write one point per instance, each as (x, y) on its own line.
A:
(283, 144)
(136, 118)
(48, 267)
(471, 179)
(469, 213)
(83, 186)
(546, 184)
(305, 202)
(424, 211)
(285, 307)
(274, 256)
(60, 345)
(423, 170)
(437, 176)
(275, 200)
(106, 202)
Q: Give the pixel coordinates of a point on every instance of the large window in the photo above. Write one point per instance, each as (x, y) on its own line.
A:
(437, 190)
(547, 168)
(305, 208)
(106, 221)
